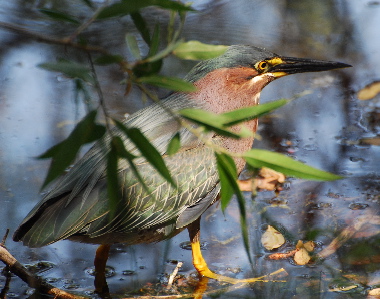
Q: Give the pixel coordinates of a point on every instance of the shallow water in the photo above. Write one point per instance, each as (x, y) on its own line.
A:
(322, 129)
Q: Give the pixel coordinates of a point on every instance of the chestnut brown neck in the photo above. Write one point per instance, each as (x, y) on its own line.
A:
(226, 89)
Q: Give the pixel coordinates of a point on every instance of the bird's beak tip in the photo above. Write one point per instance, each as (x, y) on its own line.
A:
(344, 65)
(292, 65)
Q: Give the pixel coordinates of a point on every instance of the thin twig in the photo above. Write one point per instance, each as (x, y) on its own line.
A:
(100, 93)
(52, 40)
(8, 277)
(5, 238)
(172, 276)
(85, 25)
(32, 280)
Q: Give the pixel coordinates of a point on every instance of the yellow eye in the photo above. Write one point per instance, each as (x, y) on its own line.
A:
(262, 66)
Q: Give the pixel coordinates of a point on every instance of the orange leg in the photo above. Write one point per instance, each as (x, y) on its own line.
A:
(100, 262)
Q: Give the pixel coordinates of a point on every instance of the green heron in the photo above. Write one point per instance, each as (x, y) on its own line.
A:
(77, 207)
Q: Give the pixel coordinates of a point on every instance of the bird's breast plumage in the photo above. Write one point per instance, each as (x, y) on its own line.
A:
(228, 89)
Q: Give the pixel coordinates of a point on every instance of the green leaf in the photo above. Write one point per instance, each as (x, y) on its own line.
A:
(123, 153)
(163, 53)
(108, 59)
(220, 122)
(244, 114)
(203, 117)
(228, 176)
(155, 41)
(64, 153)
(174, 145)
(210, 121)
(149, 152)
(133, 46)
(81, 92)
(195, 50)
(126, 7)
(171, 83)
(259, 158)
(70, 69)
(141, 26)
(59, 16)
(147, 69)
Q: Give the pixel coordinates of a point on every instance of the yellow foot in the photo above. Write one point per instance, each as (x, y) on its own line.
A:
(201, 265)
(209, 274)
(203, 270)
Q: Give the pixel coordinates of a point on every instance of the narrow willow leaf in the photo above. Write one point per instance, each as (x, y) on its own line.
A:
(59, 16)
(123, 153)
(239, 115)
(220, 122)
(174, 145)
(171, 83)
(108, 59)
(113, 184)
(147, 68)
(155, 41)
(81, 92)
(163, 53)
(195, 50)
(210, 121)
(70, 69)
(203, 117)
(64, 153)
(259, 158)
(123, 8)
(141, 26)
(133, 46)
(228, 176)
(149, 152)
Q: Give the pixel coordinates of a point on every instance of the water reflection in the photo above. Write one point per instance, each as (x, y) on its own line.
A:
(37, 111)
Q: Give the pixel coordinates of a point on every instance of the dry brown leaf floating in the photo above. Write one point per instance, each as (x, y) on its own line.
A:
(374, 292)
(302, 257)
(309, 246)
(369, 91)
(272, 238)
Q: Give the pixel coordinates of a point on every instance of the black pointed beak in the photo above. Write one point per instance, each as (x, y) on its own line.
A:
(291, 65)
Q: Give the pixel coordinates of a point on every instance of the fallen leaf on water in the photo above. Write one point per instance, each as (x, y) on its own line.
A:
(369, 91)
(309, 246)
(268, 179)
(343, 289)
(302, 257)
(272, 238)
(374, 292)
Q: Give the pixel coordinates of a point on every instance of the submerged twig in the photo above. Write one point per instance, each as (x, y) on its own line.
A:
(4, 238)
(347, 234)
(172, 276)
(31, 279)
